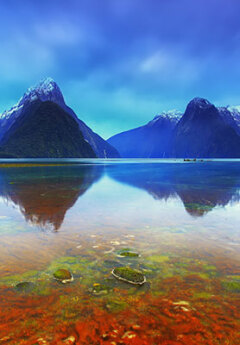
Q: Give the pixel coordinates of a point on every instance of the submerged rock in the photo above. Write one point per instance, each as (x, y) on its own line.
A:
(126, 252)
(129, 275)
(25, 286)
(63, 275)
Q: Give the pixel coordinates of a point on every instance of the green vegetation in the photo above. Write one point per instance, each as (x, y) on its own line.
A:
(158, 258)
(14, 279)
(232, 285)
(116, 306)
(25, 286)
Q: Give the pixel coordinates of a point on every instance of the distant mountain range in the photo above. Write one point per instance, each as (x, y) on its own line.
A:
(42, 125)
(203, 131)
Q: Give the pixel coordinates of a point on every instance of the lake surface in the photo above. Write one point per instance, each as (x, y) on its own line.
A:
(182, 218)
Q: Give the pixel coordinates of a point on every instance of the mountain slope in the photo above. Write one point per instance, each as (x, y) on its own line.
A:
(45, 130)
(235, 112)
(229, 119)
(149, 141)
(204, 132)
(48, 90)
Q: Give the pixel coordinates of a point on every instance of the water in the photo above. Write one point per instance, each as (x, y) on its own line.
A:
(181, 218)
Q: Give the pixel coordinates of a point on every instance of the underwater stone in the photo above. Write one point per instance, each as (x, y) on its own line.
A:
(63, 275)
(129, 275)
(25, 286)
(128, 253)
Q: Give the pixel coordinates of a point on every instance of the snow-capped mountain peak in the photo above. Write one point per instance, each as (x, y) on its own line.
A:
(46, 90)
(174, 113)
(171, 115)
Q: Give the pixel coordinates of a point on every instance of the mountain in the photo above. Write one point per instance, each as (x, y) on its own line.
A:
(45, 130)
(204, 131)
(48, 90)
(149, 141)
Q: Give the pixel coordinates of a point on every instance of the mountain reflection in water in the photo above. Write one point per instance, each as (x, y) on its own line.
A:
(44, 194)
(200, 186)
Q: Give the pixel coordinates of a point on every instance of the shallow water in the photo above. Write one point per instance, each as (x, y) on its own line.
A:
(181, 218)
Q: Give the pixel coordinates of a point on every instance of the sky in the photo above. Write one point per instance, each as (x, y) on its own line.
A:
(121, 62)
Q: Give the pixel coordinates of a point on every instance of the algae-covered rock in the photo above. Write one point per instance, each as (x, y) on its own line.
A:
(63, 275)
(126, 252)
(129, 275)
(78, 266)
(25, 286)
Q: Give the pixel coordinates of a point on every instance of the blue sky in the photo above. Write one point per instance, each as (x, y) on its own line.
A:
(120, 62)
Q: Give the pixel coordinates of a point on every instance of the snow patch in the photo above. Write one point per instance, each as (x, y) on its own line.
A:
(235, 108)
(171, 115)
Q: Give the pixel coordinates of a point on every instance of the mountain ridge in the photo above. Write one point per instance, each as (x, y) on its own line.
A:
(201, 131)
(48, 90)
(219, 126)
